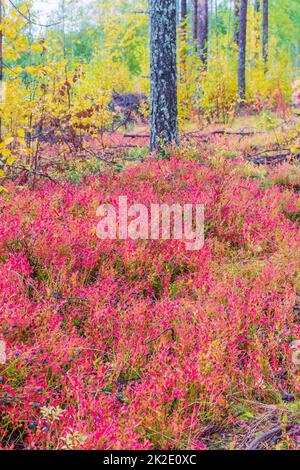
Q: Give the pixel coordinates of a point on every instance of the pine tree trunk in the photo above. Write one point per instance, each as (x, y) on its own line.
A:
(194, 18)
(203, 30)
(265, 29)
(236, 12)
(242, 50)
(183, 18)
(163, 96)
(183, 11)
(257, 5)
(183, 34)
(177, 13)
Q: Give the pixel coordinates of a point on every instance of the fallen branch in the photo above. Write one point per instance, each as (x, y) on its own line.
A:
(201, 134)
(222, 132)
(123, 146)
(162, 333)
(136, 136)
(35, 172)
(272, 433)
(272, 159)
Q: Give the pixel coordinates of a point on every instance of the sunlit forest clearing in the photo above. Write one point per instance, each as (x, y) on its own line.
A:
(139, 343)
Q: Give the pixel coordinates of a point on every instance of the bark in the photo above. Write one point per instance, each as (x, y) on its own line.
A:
(183, 11)
(203, 30)
(265, 31)
(183, 18)
(194, 18)
(216, 24)
(163, 95)
(257, 7)
(178, 12)
(236, 21)
(242, 50)
(183, 31)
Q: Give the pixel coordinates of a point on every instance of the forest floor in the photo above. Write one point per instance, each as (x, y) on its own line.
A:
(142, 345)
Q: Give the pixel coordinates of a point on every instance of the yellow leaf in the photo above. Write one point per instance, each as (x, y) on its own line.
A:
(23, 9)
(11, 160)
(8, 141)
(37, 48)
(5, 152)
(30, 69)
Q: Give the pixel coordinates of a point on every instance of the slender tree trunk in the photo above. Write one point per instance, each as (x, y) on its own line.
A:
(229, 29)
(177, 12)
(236, 29)
(183, 11)
(257, 5)
(203, 30)
(183, 36)
(163, 95)
(183, 18)
(194, 17)
(217, 27)
(242, 50)
(65, 52)
(265, 30)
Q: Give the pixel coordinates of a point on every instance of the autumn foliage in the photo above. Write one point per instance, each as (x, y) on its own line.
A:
(141, 344)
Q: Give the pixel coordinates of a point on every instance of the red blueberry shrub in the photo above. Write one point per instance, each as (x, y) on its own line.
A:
(142, 344)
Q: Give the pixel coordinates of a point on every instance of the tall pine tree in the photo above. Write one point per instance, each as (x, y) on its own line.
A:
(163, 95)
(203, 30)
(242, 50)
(265, 31)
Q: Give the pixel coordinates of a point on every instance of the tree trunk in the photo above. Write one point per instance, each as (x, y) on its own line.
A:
(236, 21)
(203, 30)
(265, 29)
(177, 13)
(242, 50)
(257, 5)
(183, 33)
(194, 17)
(163, 95)
(183, 11)
(183, 18)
